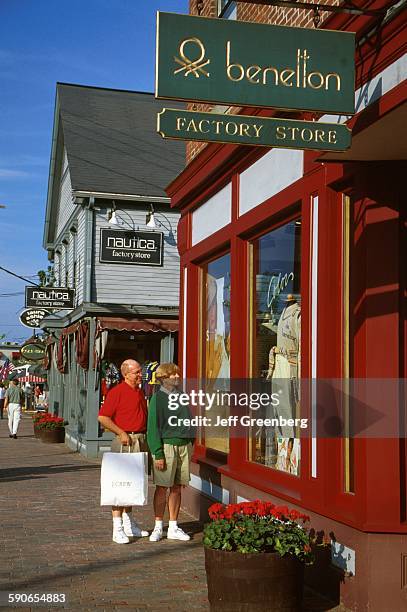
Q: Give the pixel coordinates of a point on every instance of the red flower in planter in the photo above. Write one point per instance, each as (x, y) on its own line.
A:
(50, 421)
(258, 526)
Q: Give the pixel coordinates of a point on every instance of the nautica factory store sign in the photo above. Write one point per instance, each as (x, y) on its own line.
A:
(140, 248)
(233, 62)
(50, 297)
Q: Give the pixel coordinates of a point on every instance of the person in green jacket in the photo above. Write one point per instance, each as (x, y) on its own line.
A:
(171, 448)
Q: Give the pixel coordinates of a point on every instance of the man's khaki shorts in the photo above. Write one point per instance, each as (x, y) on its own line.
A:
(139, 444)
(177, 460)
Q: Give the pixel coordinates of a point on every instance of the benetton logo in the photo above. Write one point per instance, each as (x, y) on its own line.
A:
(189, 66)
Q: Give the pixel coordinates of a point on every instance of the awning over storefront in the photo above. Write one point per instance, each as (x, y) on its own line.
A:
(138, 325)
(374, 138)
(31, 378)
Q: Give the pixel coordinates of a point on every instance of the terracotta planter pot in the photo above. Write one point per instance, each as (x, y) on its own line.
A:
(261, 582)
(53, 436)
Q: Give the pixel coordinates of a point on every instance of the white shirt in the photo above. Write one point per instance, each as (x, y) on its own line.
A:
(2, 393)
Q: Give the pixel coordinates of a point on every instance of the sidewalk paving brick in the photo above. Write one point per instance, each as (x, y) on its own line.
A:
(57, 538)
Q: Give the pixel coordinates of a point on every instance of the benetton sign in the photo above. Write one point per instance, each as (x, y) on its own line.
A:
(50, 297)
(249, 130)
(233, 62)
(140, 248)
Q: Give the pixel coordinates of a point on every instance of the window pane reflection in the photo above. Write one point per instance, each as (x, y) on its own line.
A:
(216, 350)
(276, 341)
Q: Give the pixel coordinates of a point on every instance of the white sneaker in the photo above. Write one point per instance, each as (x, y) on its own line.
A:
(131, 529)
(119, 536)
(156, 534)
(177, 534)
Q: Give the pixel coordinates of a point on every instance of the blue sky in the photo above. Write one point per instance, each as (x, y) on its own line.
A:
(107, 43)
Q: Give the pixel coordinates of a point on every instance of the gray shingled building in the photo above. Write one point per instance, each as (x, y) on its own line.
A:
(108, 171)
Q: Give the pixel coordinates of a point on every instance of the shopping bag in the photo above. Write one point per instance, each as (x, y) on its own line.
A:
(124, 479)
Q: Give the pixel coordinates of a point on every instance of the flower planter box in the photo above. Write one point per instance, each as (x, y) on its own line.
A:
(37, 431)
(53, 436)
(260, 582)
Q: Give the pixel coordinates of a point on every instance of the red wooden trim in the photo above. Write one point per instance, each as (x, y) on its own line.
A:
(372, 113)
(180, 357)
(325, 493)
(235, 197)
(381, 49)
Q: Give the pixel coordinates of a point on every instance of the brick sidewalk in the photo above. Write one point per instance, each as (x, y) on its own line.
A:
(56, 538)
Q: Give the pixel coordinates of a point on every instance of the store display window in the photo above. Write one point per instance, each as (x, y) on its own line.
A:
(275, 343)
(216, 340)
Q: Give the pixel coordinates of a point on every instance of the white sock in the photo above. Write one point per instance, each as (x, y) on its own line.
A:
(172, 524)
(117, 522)
(158, 525)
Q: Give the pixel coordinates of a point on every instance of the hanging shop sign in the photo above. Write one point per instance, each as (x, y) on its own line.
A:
(33, 352)
(32, 317)
(250, 130)
(234, 62)
(50, 297)
(127, 247)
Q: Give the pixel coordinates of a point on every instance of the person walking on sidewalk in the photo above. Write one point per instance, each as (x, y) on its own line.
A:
(171, 448)
(2, 398)
(124, 412)
(13, 406)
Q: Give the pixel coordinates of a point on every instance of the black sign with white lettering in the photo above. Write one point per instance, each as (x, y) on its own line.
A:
(139, 248)
(32, 317)
(50, 297)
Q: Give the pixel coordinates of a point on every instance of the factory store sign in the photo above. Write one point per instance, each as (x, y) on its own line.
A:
(250, 130)
(233, 62)
(32, 317)
(50, 297)
(33, 352)
(128, 247)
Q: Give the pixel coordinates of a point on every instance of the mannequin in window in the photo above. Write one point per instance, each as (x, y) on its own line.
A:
(218, 332)
(285, 365)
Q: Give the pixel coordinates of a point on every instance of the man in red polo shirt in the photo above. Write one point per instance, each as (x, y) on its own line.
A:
(124, 412)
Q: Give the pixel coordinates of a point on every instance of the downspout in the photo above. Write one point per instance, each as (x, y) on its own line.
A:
(88, 249)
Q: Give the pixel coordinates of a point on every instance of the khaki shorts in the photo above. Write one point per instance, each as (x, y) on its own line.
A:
(177, 460)
(139, 444)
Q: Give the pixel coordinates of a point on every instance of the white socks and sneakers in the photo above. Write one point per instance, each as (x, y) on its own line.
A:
(130, 527)
(174, 532)
(157, 532)
(124, 528)
(118, 532)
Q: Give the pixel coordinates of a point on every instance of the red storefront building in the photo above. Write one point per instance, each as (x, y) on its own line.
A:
(315, 239)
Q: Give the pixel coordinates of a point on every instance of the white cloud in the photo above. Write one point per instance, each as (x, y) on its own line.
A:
(24, 160)
(11, 174)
